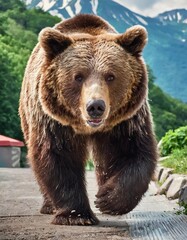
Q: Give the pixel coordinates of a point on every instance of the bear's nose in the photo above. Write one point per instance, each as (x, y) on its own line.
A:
(95, 108)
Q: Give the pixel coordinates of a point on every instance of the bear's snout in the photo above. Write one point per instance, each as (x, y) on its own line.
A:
(95, 108)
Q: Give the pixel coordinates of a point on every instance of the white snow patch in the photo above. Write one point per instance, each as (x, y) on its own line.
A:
(128, 23)
(185, 21)
(170, 18)
(114, 16)
(28, 2)
(183, 40)
(133, 19)
(94, 5)
(77, 7)
(69, 10)
(179, 16)
(56, 13)
(141, 20)
(124, 19)
(121, 16)
(127, 14)
(46, 4)
(40, 5)
(65, 3)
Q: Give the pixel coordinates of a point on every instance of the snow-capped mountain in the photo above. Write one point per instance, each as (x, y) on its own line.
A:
(167, 47)
(178, 16)
(68, 8)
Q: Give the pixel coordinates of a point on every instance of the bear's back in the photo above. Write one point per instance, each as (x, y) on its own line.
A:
(85, 23)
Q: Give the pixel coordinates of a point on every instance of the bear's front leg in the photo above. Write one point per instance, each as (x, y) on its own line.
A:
(58, 162)
(122, 192)
(125, 163)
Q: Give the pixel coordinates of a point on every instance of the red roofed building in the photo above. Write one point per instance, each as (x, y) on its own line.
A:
(6, 141)
(10, 152)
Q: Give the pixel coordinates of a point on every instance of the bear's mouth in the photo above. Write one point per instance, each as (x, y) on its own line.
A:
(95, 122)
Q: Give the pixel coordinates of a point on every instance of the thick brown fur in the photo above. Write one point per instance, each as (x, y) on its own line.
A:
(80, 60)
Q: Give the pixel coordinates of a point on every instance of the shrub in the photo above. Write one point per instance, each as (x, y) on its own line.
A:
(173, 140)
(177, 161)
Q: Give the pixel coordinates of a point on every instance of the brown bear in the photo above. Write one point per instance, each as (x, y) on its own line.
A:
(86, 85)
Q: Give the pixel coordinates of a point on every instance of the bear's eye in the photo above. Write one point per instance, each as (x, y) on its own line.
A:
(79, 77)
(109, 77)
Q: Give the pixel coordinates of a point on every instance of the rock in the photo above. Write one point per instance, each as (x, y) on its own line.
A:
(165, 174)
(163, 158)
(183, 194)
(164, 187)
(175, 186)
(158, 173)
(159, 145)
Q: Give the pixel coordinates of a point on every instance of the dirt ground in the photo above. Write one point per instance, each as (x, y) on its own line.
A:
(154, 218)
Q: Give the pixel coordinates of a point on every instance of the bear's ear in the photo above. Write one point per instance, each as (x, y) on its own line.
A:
(53, 41)
(134, 39)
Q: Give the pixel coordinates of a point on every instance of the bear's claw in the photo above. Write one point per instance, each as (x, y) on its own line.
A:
(73, 219)
(107, 206)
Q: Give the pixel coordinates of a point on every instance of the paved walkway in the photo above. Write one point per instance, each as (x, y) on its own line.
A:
(154, 218)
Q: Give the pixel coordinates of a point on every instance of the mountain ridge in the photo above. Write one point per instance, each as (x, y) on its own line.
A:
(167, 46)
(177, 15)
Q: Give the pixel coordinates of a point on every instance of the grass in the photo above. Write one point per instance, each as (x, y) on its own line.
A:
(177, 160)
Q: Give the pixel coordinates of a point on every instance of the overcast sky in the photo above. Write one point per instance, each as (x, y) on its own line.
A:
(152, 7)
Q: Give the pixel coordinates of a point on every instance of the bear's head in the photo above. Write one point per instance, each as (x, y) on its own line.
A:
(92, 82)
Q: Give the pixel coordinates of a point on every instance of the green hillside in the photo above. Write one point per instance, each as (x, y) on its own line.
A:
(168, 112)
(18, 34)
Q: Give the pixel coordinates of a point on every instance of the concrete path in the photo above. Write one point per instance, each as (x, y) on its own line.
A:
(154, 218)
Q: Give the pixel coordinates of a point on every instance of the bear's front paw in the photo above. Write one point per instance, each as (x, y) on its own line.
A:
(108, 201)
(115, 200)
(74, 218)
